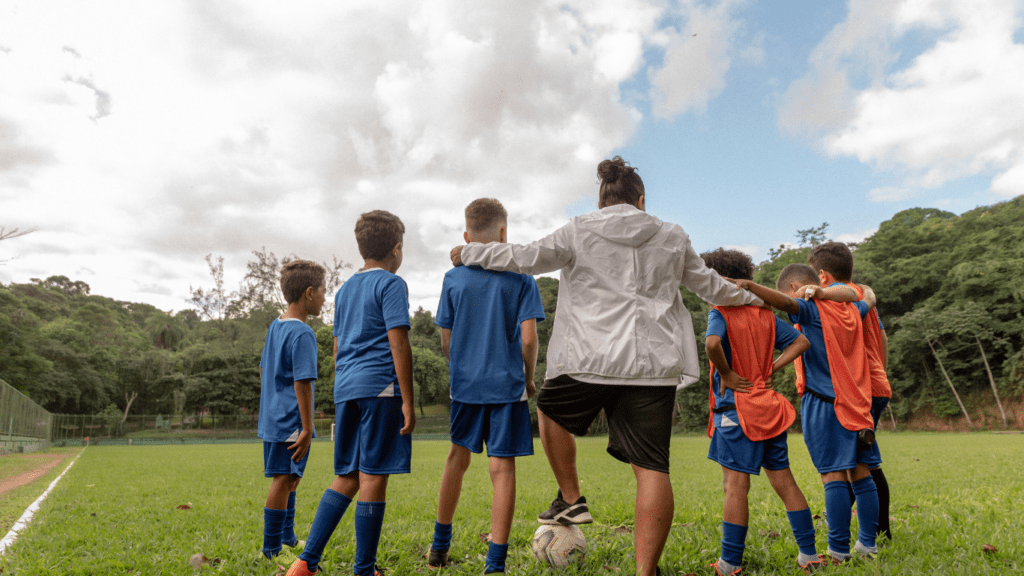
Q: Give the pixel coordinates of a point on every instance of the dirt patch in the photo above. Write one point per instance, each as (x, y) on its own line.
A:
(46, 463)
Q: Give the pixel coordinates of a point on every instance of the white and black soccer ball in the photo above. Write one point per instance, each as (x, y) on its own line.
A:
(559, 546)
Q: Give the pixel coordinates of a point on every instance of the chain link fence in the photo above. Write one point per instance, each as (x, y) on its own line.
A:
(24, 425)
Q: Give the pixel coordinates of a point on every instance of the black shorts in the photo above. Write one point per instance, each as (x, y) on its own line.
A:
(639, 417)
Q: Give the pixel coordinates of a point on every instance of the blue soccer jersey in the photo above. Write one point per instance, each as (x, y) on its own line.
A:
(484, 310)
(817, 375)
(289, 355)
(717, 326)
(369, 304)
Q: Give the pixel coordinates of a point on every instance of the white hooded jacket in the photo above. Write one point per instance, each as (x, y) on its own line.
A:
(620, 317)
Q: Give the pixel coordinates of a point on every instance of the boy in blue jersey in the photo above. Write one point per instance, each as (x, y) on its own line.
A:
(835, 409)
(748, 419)
(834, 263)
(287, 372)
(372, 393)
(488, 326)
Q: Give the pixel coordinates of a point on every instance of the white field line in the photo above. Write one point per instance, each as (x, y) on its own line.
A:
(26, 517)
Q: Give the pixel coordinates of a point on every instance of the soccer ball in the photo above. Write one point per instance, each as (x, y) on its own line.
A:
(559, 546)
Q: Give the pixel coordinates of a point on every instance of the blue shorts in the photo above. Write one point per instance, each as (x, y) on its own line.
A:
(277, 460)
(505, 428)
(833, 448)
(874, 458)
(731, 448)
(367, 439)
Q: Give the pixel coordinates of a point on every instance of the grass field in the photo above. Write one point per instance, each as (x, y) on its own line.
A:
(116, 511)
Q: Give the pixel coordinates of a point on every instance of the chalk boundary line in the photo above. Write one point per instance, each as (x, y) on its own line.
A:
(26, 517)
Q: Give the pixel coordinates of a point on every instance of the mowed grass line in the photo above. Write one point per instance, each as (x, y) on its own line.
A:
(115, 511)
(14, 502)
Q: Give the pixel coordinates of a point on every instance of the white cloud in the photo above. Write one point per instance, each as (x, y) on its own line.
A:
(954, 110)
(156, 133)
(855, 236)
(697, 58)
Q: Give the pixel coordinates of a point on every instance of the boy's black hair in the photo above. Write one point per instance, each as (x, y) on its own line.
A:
(796, 272)
(298, 275)
(730, 264)
(620, 184)
(377, 234)
(483, 214)
(834, 258)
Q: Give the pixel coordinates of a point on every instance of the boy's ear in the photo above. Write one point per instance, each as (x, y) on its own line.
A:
(465, 236)
(503, 235)
(641, 204)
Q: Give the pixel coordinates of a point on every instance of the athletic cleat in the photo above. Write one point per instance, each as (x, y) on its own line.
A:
(378, 571)
(838, 557)
(300, 568)
(718, 571)
(438, 559)
(864, 551)
(823, 561)
(561, 512)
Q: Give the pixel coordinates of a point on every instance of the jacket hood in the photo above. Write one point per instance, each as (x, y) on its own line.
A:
(622, 223)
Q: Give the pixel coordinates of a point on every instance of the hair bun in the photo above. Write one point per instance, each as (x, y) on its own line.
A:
(611, 170)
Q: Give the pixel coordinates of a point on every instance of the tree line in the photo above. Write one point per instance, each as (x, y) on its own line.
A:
(948, 287)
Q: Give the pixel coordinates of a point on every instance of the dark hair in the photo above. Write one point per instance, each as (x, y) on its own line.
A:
(834, 258)
(298, 275)
(377, 234)
(620, 184)
(730, 263)
(483, 214)
(796, 273)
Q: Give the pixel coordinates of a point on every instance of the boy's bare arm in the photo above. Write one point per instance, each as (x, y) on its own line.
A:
(446, 341)
(833, 293)
(774, 298)
(791, 353)
(729, 379)
(530, 347)
(869, 296)
(885, 351)
(401, 352)
(304, 394)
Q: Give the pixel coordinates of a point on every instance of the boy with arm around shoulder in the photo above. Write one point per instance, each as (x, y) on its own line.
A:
(488, 326)
(287, 371)
(748, 419)
(832, 378)
(834, 263)
(372, 392)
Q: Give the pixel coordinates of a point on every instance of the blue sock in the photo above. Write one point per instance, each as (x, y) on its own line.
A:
(837, 506)
(496, 554)
(332, 507)
(272, 522)
(288, 531)
(802, 524)
(442, 536)
(867, 510)
(734, 538)
(369, 520)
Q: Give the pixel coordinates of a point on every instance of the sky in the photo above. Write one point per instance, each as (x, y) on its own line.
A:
(138, 137)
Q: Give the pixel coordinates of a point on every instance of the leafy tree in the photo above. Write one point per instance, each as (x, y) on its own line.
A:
(430, 377)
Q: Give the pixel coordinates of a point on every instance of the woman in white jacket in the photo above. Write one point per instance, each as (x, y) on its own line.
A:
(622, 341)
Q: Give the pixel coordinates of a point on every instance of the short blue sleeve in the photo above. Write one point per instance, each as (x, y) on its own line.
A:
(806, 313)
(880, 325)
(530, 305)
(716, 325)
(784, 334)
(445, 312)
(395, 303)
(304, 357)
(862, 307)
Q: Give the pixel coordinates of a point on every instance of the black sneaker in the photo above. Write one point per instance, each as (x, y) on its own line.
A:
(438, 559)
(561, 512)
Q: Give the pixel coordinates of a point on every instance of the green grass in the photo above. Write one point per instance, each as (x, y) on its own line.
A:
(13, 502)
(115, 511)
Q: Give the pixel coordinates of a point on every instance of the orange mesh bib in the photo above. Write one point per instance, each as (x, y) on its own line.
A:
(873, 344)
(843, 333)
(763, 413)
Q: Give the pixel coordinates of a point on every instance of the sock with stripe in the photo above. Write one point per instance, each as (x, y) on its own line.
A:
(368, 522)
